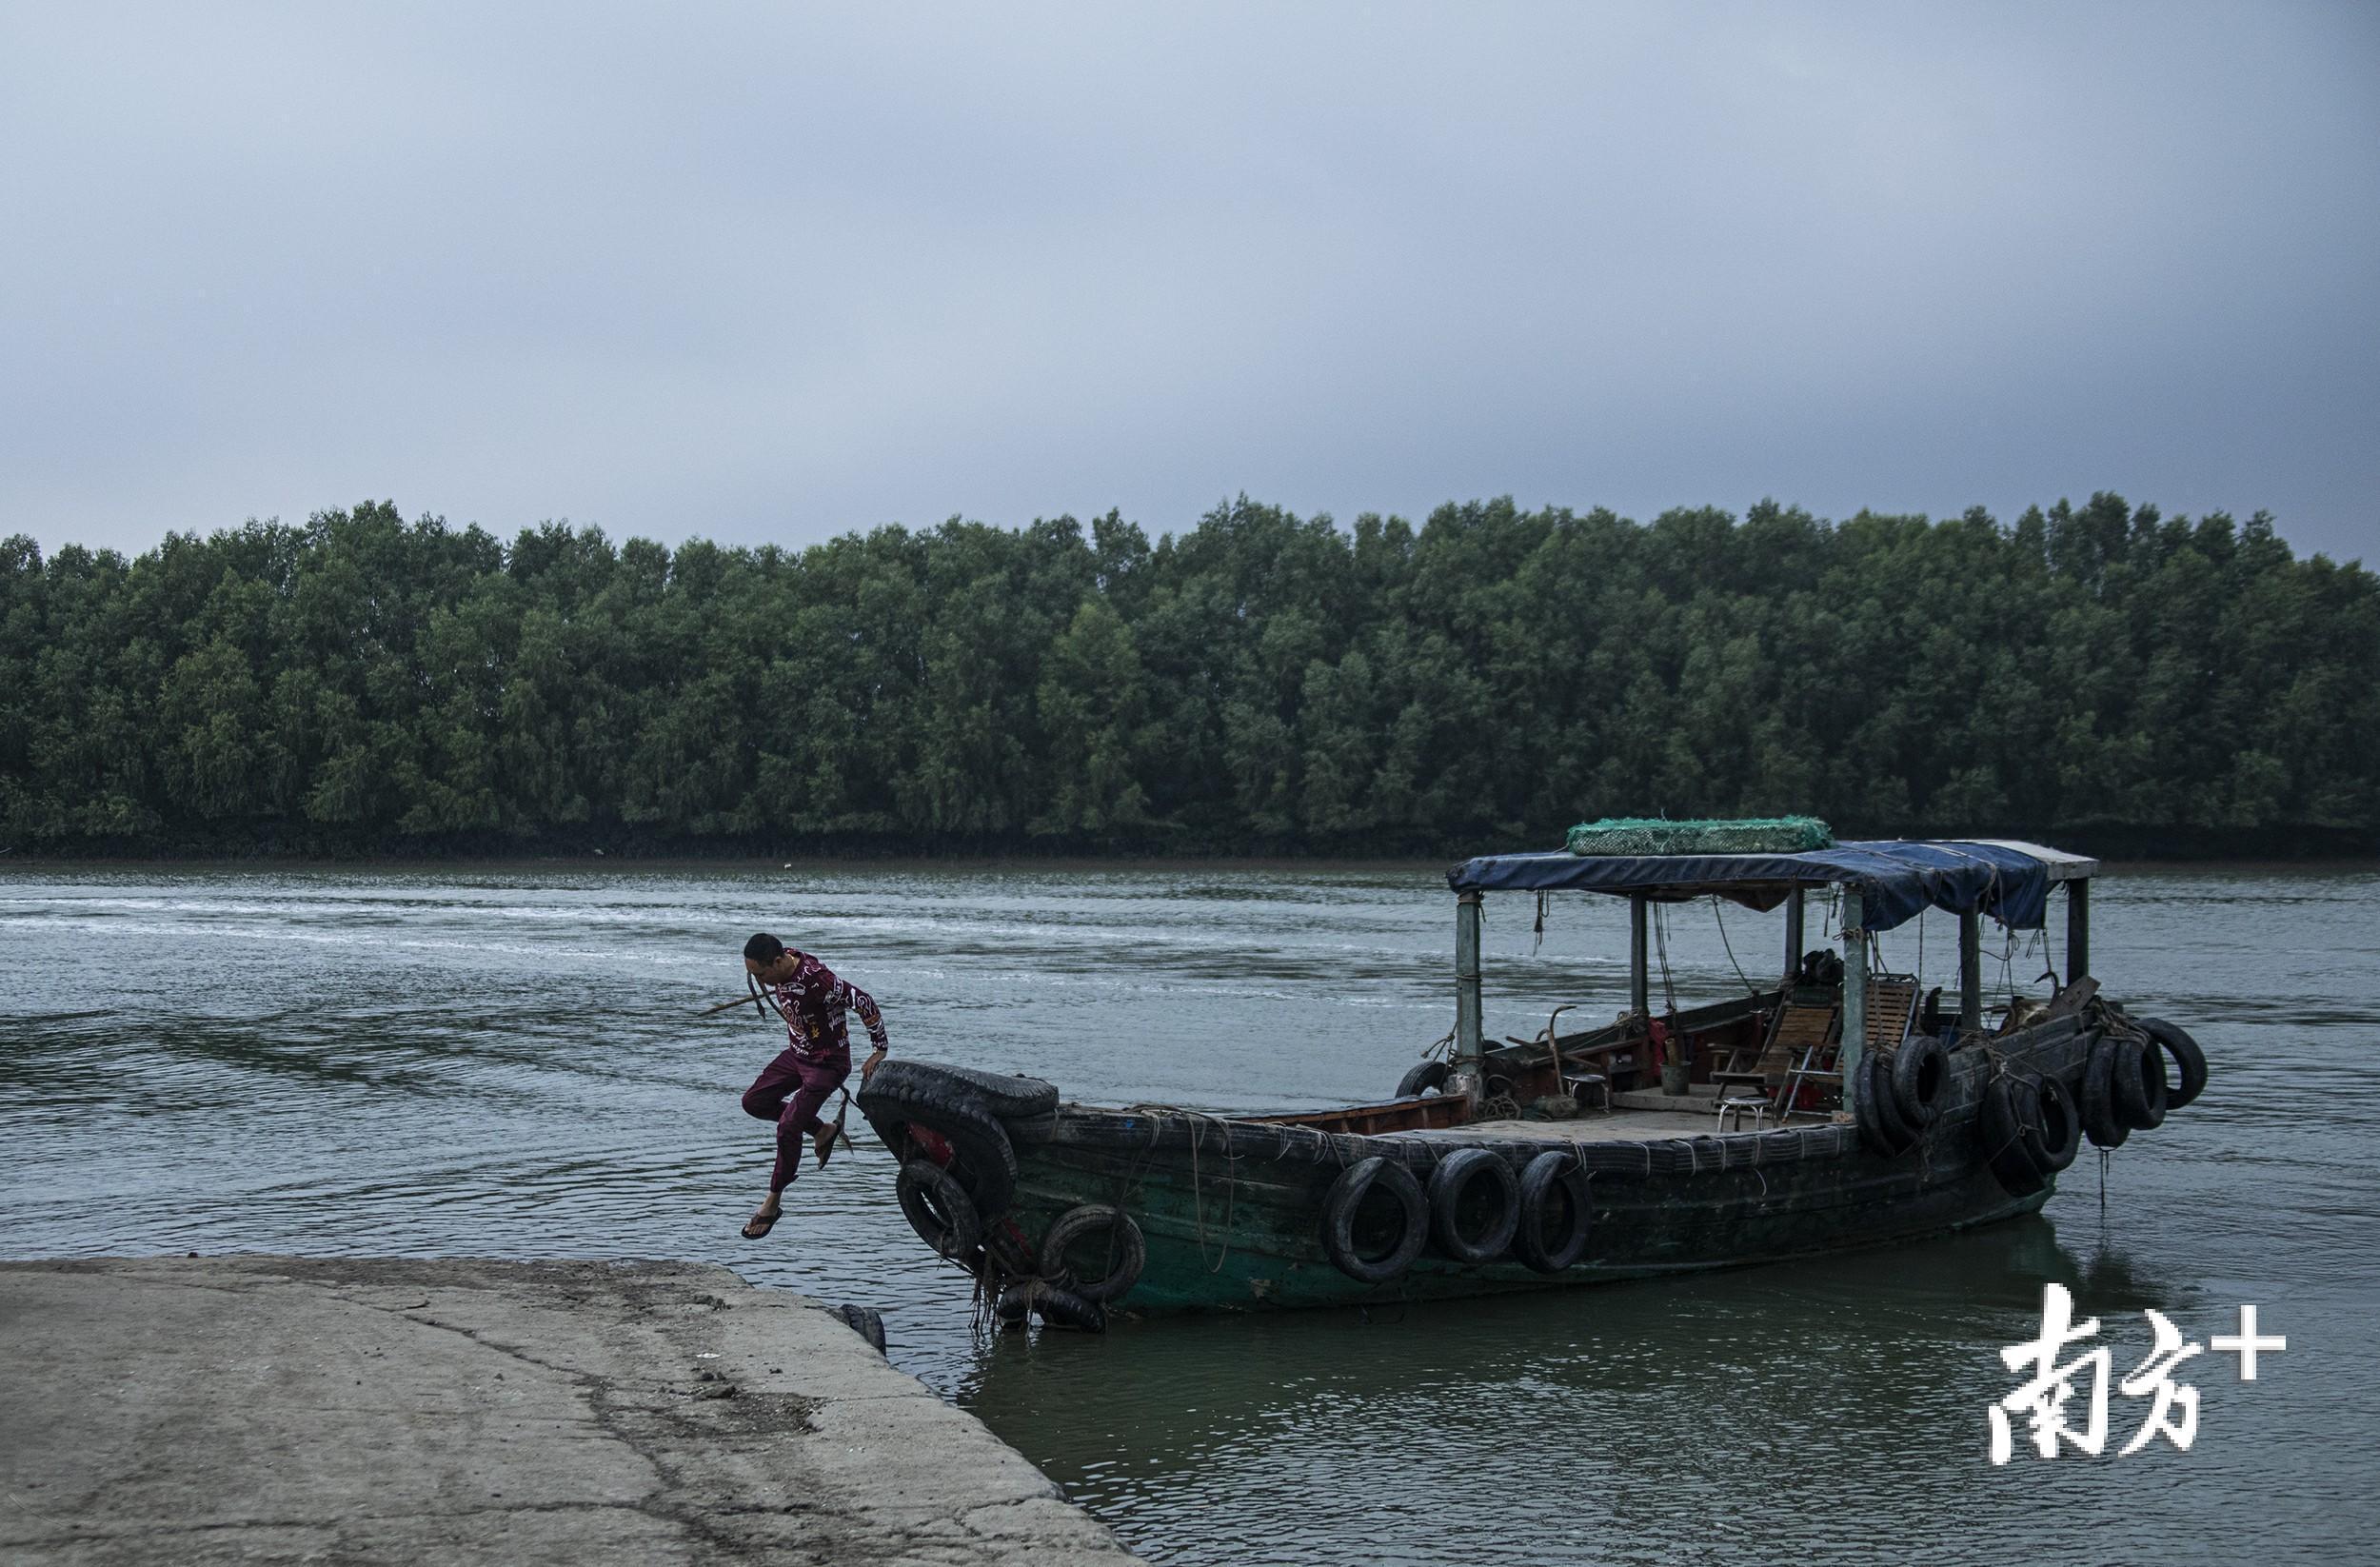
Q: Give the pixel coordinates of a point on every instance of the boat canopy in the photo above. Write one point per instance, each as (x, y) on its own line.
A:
(1897, 877)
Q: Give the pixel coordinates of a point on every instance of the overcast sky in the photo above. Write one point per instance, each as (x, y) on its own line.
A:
(767, 273)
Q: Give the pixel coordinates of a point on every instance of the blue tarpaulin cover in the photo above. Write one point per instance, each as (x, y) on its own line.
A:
(1897, 879)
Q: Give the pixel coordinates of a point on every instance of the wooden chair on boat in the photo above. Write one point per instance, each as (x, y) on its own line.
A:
(1891, 1009)
(1798, 1050)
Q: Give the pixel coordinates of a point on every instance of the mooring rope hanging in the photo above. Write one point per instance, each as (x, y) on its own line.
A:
(1196, 1121)
(2049, 968)
(2007, 962)
(1718, 915)
(1661, 946)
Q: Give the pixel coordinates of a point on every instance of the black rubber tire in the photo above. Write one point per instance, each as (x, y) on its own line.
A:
(1877, 1116)
(1031, 1130)
(864, 1321)
(2140, 1085)
(2002, 1125)
(1344, 1200)
(2097, 1099)
(1005, 1095)
(1456, 1182)
(1016, 1302)
(2053, 1136)
(1423, 1077)
(1860, 1085)
(1128, 1252)
(1899, 1134)
(1552, 1178)
(981, 1150)
(1921, 1081)
(1063, 1309)
(2189, 1060)
(2100, 1123)
(939, 1208)
(1007, 1253)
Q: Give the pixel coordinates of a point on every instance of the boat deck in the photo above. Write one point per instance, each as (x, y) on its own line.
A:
(1618, 1126)
(1633, 1118)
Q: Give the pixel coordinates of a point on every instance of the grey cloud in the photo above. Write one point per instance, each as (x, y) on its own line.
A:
(756, 275)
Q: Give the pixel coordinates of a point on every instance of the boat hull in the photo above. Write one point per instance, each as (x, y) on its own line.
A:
(1230, 1208)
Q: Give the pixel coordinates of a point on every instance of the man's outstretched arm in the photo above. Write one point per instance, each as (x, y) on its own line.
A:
(864, 1005)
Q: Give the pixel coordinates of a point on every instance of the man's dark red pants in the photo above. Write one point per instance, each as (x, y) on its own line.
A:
(788, 1091)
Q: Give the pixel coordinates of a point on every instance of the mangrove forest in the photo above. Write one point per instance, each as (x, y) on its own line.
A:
(1260, 683)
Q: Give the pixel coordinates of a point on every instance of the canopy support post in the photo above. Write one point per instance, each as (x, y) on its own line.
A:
(1793, 933)
(1970, 971)
(2078, 929)
(1854, 995)
(1640, 984)
(1469, 1044)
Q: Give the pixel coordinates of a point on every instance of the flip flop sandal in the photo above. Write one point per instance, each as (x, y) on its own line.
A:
(834, 1134)
(766, 1223)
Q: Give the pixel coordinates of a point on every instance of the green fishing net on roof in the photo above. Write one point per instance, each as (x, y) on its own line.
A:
(1658, 835)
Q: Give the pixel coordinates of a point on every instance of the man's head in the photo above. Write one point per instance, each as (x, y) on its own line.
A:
(763, 955)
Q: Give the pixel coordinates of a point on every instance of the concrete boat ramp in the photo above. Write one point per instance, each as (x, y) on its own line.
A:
(283, 1409)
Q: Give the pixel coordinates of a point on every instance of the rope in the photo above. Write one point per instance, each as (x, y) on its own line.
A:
(1717, 913)
(1660, 947)
(1198, 1120)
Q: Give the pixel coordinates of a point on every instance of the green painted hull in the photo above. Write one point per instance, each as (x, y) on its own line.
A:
(1231, 1209)
(1205, 1253)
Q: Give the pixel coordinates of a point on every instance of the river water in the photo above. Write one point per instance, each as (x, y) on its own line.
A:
(503, 1062)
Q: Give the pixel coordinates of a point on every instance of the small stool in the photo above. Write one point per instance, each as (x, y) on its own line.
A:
(1581, 1083)
(1733, 1105)
(1737, 1089)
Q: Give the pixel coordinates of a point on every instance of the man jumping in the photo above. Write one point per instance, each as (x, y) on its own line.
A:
(818, 1057)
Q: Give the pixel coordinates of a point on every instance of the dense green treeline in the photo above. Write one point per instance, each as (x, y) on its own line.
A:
(1260, 683)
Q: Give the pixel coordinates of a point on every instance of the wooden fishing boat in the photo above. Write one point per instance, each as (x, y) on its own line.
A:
(1835, 1109)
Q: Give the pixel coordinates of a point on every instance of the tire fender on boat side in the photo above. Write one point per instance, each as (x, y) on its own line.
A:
(1031, 1130)
(1877, 1116)
(2140, 1096)
(1556, 1218)
(1006, 1249)
(1343, 1203)
(1921, 1076)
(981, 1154)
(939, 1208)
(2002, 1125)
(2054, 1133)
(2189, 1059)
(1423, 1077)
(1899, 1134)
(1008, 1094)
(1057, 1307)
(1465, 1182)
(1860, 1085)
(2100, 1123)
(1125, 1254)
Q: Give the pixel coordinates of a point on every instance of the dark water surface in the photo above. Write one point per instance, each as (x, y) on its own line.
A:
(501, 1063)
